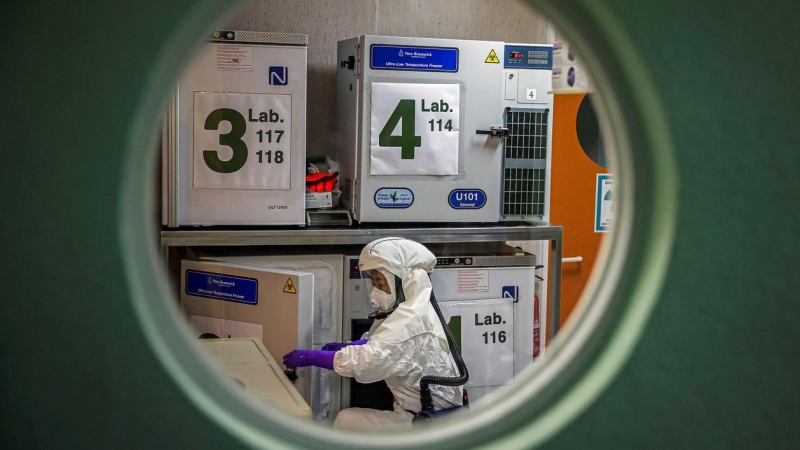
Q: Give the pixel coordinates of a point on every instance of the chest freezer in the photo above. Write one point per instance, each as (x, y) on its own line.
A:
(426, 131)
(233, 146)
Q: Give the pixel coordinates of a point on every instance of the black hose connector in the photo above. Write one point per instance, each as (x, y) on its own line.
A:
(426, 400)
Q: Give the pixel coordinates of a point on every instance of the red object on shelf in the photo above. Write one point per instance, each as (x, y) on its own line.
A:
(321, 181)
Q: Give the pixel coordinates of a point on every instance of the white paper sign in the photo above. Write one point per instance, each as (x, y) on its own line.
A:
(487, 338)
(234, 57)
(242, 141)
(414, 129)
(473, 280)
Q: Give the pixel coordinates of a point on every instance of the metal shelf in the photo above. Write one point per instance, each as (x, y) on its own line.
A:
(361, 235)
(426, 234)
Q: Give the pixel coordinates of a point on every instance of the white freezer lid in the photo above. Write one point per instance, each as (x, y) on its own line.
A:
(249, 363)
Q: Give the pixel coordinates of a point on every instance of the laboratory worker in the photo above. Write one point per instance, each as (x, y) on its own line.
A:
(406, 341)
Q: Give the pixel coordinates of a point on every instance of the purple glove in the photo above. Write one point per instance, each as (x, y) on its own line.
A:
(336, 346)
(303, 358)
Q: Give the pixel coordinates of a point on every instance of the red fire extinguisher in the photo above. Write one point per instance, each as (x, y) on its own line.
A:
(537, 323)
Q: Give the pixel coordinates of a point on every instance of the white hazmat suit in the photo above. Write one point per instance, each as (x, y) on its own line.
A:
(405, 346)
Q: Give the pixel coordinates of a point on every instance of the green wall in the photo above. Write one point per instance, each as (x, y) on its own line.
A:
(717, 366)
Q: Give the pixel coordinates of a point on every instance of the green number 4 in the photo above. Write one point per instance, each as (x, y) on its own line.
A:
(407, 141)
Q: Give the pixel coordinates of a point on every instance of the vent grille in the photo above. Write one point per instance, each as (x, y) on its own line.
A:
(523, 192)
(525, 162)
(504, 261)
(528, 138)
(264, 37)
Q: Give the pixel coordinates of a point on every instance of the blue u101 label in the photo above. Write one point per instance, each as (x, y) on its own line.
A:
(422, 59)
(394, 198)
(467, 199)
(222, 287)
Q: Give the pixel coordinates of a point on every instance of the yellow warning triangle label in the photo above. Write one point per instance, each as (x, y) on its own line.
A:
(289, 288)
(492, 58)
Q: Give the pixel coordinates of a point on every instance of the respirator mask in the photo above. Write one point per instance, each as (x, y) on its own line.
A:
(382, 287)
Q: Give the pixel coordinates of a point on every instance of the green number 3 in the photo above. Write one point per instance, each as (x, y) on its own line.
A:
(233, 139)
(407, 141)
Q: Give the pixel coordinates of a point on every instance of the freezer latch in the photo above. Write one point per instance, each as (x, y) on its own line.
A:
(495, 131)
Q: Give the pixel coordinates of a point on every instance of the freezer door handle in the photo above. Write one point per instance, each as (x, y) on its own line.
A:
(495, 131)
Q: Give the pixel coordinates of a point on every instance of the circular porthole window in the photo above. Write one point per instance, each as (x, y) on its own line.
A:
(587, 128)
(581, 359)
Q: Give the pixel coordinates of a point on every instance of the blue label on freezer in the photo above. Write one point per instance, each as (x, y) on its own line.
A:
(467, 199)
(278, 75)
(222, 287)
(423, 59)
(511, 292)
(528, 57)
(394, 198)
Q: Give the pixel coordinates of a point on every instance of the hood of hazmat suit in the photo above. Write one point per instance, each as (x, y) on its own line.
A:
(411, 262)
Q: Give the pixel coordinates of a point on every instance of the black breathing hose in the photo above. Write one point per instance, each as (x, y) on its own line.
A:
(426, 400)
